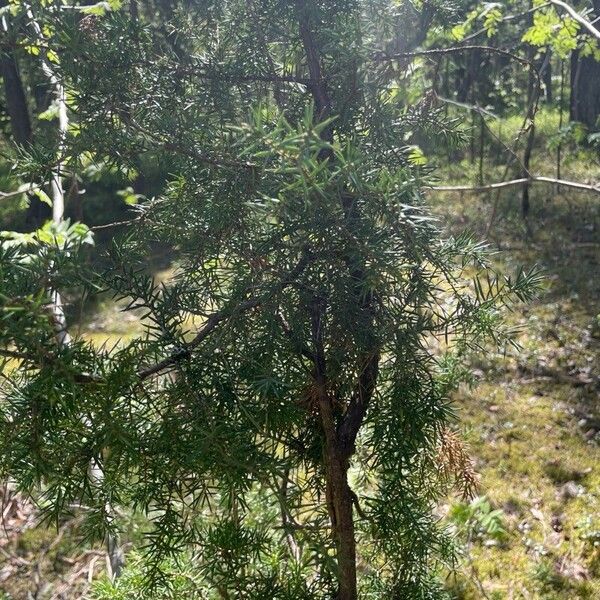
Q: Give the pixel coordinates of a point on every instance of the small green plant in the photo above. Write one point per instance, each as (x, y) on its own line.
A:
(478, 520)
(590, 532)
(547, 578)
(182, 583)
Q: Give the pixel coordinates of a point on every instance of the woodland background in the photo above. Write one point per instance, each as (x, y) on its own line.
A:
(520, 81)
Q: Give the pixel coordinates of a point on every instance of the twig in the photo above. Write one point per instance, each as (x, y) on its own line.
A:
(21, 190)
(577, 17)
(245, 78)
(455, 49)
(188, 150)
(115, 224)
(471, 107)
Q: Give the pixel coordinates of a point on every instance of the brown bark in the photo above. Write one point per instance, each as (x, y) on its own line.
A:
(533, 93)
(547, 78)
(531, 101)
(336, 460)
(585, 90)
(339, 430)
(467, 76)
(16, 102)
(341, 502)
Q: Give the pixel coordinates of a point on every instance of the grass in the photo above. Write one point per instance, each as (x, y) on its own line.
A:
(533, 422)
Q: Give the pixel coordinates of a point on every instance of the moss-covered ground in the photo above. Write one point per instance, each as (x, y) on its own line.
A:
(533, 420)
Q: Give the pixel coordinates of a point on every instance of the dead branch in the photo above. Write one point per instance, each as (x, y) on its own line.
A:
(516, 182)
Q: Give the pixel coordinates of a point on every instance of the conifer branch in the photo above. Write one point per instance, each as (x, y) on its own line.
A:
(218, 317)
(245, 77)
(187, 150)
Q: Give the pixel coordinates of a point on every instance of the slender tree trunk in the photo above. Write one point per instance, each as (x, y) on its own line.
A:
(547, 77)
(481, 146)
(575, 73)
(20, 122)
(339, 496)
(134, 11)
(561, 110)
(468, 76)
(532, 99)
(339, 431)
(115, 556)
(585, 85)
(525, 202)
(341, 499)
(472, 138)
(336, 461)
(585, 90)
(16, 102)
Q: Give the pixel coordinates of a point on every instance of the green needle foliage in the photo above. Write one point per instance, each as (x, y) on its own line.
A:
(283, 420)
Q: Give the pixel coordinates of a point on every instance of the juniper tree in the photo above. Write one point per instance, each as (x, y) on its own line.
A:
(285, 416)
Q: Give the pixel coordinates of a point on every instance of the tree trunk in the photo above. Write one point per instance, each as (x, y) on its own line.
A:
(531, 101)
(585, 90)
(20, 123)
(339, 431)
(533, 93)
(340, 511)
(547, 77)
(585, 86)
(336, 461)
(16, 102)
(468, 76)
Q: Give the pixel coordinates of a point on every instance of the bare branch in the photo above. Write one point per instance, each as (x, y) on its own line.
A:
(13, 354)
(470, 107)
(456, 49)
(296, 342)
(23, 189)
(516, 182)
(115, 224)
(359, 403)
(245, 78)
(577, 17)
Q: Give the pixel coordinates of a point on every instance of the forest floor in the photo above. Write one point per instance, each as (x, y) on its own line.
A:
(532, 424)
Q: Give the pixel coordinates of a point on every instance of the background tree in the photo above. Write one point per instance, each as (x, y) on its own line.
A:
(17, 108)
(585, 89)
